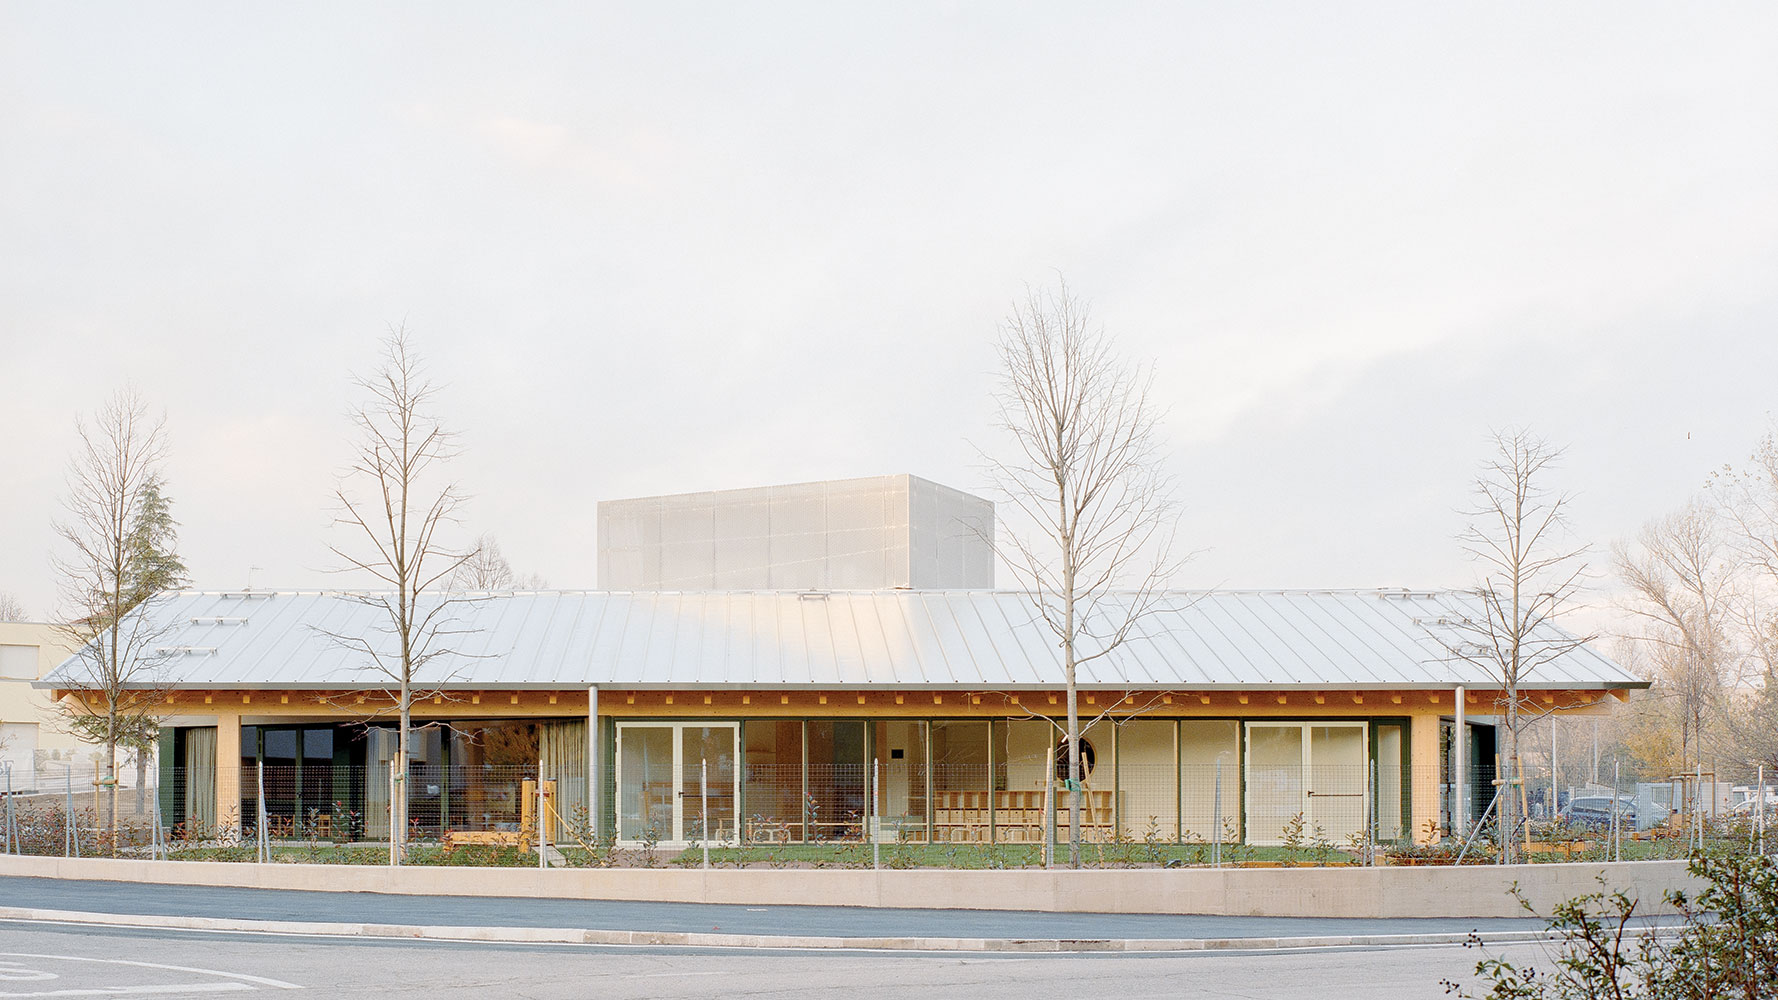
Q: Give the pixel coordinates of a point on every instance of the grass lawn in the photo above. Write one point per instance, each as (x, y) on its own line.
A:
(894, 856)
(953, 856)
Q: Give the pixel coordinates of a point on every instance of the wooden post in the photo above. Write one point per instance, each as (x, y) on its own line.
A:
(1423, 806)
(228, 773)
(530, 817)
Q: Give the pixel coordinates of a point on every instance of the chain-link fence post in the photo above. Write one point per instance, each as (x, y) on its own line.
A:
(70, 828)
(12, 829)
(1216, 818)
(261, 837)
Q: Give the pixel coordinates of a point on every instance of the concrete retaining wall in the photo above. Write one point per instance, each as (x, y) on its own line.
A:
(1470, 891)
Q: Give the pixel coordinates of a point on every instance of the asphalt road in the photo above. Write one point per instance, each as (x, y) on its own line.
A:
(44, 960)
(828, 921)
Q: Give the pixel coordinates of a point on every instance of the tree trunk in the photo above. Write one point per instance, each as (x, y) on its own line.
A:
(111, 791)
(398, 801)
(108, 786)
(1068, 665)
(1074, 771)
(1509, 789)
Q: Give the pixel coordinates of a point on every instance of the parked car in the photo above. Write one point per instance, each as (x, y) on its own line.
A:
(1751, 807)
(1595, 810)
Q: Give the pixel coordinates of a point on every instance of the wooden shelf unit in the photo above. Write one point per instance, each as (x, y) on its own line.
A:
(1016, 817)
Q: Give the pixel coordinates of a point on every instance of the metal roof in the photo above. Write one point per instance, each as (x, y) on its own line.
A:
(1290, 639)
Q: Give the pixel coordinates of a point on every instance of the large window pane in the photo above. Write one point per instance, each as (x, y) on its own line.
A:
(834, 806)
(1274, 780)
(1337, 782)
(1146, 769)
(899, 750)
(426, 780)
(708, 753)
(280, 749)
(772, 780)
(1021, 749)
(1389, 775)
(645, 783)
(315, 786)
(960, 787)
(1208, 747)
(484, 786)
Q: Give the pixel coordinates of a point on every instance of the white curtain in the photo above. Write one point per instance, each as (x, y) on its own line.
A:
(200, 779)
(376, 782)
(562, 758)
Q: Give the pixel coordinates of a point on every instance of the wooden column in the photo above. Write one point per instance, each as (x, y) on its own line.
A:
(228, 772)
(1423, 769)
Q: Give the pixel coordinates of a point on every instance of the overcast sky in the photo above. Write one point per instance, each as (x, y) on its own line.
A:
(661, 248)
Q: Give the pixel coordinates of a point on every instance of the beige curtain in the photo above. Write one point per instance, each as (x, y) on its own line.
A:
(562, 758)
(200, 779)
(376, 782)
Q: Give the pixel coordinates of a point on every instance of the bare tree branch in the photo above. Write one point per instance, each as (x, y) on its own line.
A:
(1094, 523)
(394, 520)
(118, 540)
(1530, 579)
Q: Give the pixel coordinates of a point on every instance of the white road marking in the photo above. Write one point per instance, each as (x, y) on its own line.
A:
(240, 980)
(12, 972)
(183, 989)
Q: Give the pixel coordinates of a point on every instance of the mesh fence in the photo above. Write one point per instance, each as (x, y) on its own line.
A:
(1301, 804)
(783, 804)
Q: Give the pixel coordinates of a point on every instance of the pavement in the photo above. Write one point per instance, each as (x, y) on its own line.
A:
(54, 960)
(524, 920)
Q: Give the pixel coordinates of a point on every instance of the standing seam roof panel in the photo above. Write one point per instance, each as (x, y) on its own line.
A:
(964, 638)
(1327, 636)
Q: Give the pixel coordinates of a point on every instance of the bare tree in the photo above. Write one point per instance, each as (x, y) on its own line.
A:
(487, 569)
(11, 610)
(1531, 574)
(1681, 589)
(120, 539)
(1095, 549)
(1747, 498)
(398, 524)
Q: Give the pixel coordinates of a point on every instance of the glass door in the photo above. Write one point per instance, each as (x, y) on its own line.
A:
(707, 786)
(1275, 785)
(1315, 771)
(661, 773)
(1337, 782)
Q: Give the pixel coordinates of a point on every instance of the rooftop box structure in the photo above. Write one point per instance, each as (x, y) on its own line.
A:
(878, 533)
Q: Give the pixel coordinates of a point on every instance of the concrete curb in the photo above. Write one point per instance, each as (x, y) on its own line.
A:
(684, 939)
(1467, 892)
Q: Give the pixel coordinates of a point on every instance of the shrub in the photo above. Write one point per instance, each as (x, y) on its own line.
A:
(1726, 946)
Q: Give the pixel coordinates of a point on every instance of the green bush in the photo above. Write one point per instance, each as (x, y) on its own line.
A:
(1725, 947)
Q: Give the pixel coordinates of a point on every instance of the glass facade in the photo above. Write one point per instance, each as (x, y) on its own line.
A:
(836, 780)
